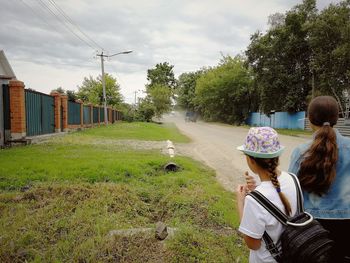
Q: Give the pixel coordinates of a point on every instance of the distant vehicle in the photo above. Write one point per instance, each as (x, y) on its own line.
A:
(190, 116)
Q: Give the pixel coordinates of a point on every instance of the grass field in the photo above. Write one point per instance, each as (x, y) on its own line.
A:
(138, 131)
(60, 199)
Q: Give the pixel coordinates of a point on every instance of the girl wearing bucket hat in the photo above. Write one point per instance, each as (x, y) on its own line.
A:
(262, 150)
(323, 169)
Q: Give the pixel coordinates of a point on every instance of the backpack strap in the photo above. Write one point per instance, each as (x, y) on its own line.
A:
(300, 199)
(272, 248)
(273, 209)
(278, 214)
(269, 206)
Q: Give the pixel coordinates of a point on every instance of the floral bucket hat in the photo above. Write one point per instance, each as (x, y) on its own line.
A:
(262, 142)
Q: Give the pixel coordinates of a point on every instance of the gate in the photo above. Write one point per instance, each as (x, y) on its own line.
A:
(40, 113)
(5, 122)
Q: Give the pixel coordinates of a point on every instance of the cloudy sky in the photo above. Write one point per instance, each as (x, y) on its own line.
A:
(52, 43)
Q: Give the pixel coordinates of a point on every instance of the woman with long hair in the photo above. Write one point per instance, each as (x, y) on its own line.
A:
(323, 169)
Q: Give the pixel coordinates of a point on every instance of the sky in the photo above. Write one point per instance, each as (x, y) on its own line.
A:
(53, 43)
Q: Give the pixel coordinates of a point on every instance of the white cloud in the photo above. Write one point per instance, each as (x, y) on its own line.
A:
(187, 34)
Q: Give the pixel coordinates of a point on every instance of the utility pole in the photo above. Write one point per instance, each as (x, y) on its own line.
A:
(103, 79)
(104, 86)
(135, 96)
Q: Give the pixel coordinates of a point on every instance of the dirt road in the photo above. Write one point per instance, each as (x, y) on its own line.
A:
(215, 145)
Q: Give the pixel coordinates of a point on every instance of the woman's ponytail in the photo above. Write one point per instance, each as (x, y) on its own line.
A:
(318, 167)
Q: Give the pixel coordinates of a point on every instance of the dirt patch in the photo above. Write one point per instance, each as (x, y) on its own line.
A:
(143, 247)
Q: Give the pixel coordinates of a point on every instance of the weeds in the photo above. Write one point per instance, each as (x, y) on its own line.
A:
(59, 201)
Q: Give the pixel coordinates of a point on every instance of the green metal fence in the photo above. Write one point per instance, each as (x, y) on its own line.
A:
(95, 114)
(73, 113)
(86, 115)
(40, 113)
(102, 115)
(6, 99)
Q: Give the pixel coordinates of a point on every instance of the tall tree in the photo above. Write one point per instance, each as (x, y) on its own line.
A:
(91, 90)
(162, 74)
(160, 97)
(330, 44)
(186, 86)
(160, 88)
(225, 93)
(281, 60)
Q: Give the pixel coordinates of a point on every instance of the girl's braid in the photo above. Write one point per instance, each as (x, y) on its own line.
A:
(272, 165)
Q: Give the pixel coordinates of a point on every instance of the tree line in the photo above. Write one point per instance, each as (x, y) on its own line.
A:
(303, 53)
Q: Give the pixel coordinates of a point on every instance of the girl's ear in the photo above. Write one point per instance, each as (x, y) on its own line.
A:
(251, 163)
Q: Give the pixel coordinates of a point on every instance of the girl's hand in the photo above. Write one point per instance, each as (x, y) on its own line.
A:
(241, 192)
(251, 183)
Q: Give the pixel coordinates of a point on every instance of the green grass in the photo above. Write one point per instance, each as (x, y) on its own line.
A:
(138, 131)
(294, 132)
(289, 132)
(60, 199)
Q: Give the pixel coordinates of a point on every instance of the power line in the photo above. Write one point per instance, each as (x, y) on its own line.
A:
(37, 14)
(62, 22)
(64, 14)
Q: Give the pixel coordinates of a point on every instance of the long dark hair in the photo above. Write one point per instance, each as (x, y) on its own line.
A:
(270, 165)
(317, 170)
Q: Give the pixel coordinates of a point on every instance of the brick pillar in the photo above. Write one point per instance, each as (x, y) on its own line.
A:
(64, 104)
(81, 113)
(17, 109)
(57, 101)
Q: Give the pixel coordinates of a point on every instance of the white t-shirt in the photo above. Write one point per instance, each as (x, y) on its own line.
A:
(256, 219)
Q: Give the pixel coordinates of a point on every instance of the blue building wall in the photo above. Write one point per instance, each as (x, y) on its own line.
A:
(278, 120)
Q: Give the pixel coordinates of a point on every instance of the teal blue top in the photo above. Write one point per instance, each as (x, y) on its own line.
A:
(335, 204)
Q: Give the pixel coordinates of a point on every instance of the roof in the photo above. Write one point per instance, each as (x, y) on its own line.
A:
(6, 71)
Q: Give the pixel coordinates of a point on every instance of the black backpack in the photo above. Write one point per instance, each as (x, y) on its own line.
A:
(303, 238)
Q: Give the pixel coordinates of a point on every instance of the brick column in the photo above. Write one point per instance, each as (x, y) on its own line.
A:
(64, 104)
(17, 109)
(57, 101)
(81, 113)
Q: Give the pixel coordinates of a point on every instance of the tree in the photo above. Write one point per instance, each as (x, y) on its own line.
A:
(72, 96)
(162, 74)
(146, 109)
(281, 60)
(161, 87)
(329, 41)
(226, 93)
(159, 95)
(91, 90)
(186, 86)
(59, 90)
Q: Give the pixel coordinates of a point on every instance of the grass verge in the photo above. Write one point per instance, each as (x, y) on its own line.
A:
(59, 201)
(138, 131)
(289, 132)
